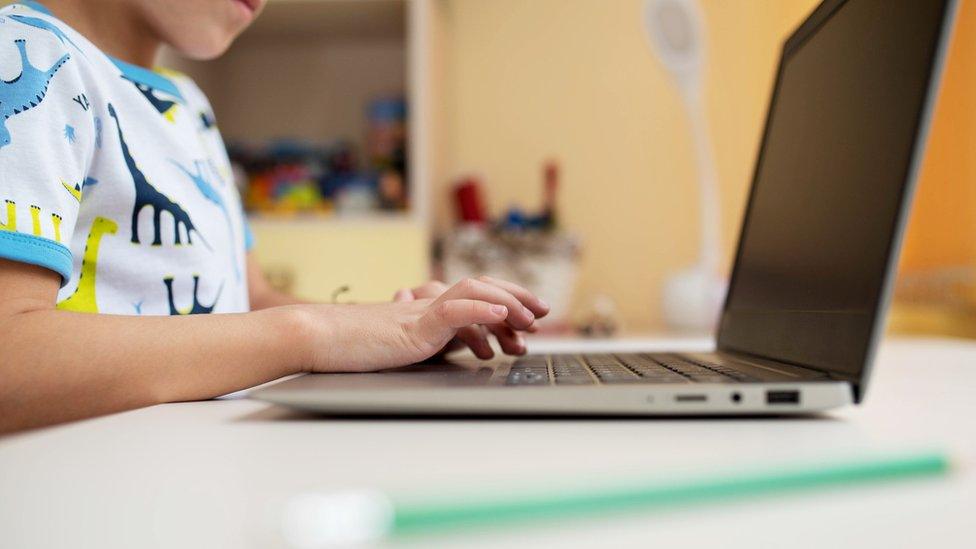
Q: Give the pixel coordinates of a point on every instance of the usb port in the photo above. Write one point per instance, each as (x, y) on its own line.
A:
(690, 398)
(782, 397)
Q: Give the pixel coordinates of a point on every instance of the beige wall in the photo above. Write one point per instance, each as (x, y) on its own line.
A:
(577, 81)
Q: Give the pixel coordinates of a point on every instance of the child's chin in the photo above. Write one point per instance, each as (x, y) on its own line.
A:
(204, 51)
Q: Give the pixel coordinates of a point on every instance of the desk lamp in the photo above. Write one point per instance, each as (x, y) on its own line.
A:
(692, 296)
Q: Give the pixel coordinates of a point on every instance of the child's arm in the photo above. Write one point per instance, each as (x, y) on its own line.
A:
(60, 365)
(263, 296)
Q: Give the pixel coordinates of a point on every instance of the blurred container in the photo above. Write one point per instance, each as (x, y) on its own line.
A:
(546, 263)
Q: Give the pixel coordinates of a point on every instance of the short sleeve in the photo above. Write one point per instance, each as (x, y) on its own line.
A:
(46, 145)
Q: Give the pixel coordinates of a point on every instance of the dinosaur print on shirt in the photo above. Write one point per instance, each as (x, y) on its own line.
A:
(197, 308)
(25, 91)
(11, 223)
(206, 189)
(39, 23)
(86, 136)
(83, 300)
(147, 195)
(165, 107)
(75, 189)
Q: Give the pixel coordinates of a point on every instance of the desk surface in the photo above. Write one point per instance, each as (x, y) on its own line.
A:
(210, 474)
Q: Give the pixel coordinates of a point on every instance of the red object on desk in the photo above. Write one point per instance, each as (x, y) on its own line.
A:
(470, 204)
(550, 189)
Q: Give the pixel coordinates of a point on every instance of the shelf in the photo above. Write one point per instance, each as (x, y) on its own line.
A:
(308, 69)
(378, 218)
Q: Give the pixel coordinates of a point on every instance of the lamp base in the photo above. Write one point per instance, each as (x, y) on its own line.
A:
(692, 299)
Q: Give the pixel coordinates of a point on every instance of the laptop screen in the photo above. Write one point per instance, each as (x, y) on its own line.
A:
(833, 170)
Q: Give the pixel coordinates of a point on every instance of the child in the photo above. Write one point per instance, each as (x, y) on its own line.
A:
(116, 198)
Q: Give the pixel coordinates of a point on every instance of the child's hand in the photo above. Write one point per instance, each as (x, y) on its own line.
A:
(416, 327)
(474, 336)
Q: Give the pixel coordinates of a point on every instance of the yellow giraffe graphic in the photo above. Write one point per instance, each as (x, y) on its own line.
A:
(36, 219)
(83, 299)
(75, 189)
(56, 221)
(11, 224)
(35, 212)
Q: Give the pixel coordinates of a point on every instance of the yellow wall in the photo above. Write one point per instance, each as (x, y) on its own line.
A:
(942, 231)
(938, 289)
(526, 81)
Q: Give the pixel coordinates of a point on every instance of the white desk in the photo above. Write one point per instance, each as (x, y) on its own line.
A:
(206, 474)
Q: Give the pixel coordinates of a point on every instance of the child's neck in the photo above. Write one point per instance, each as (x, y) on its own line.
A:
(118, 31)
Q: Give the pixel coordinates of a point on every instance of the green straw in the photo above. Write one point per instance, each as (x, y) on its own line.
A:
(352, 517)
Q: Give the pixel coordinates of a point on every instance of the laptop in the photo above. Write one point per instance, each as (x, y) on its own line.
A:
(843, 141)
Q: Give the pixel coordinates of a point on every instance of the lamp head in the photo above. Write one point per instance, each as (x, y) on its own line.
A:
(676, 33)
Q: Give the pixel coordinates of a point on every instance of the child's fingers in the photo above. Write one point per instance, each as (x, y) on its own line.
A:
(432, 289)
(403, 295)
(538, 307)
(477, 340)
(519, 316)
(455, 314)
(510, 340)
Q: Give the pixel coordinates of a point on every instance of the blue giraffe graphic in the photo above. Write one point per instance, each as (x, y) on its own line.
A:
(147, 195)
(208, 192)
(39, 23)
(25, 91)
(197, 308)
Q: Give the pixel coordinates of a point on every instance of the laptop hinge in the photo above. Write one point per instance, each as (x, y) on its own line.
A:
(831, 375)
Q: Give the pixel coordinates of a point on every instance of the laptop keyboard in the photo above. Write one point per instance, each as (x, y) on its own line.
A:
(618, 368)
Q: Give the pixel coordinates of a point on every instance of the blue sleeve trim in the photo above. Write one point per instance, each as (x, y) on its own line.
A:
(248, 235)
(36, 250)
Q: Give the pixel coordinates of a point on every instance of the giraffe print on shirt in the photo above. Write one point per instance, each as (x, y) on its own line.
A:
(26, 91)
(147, 195)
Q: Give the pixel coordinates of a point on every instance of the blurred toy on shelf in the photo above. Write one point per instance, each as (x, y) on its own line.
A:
(297, 176)
(386, 141)
(469, 201)
(526, 248)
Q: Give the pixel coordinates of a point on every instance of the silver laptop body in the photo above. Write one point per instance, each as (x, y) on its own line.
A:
(843, 141)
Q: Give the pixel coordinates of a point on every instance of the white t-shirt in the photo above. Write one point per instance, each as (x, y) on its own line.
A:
(113, 176)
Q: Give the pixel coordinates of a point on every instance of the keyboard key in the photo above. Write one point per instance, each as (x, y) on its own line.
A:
(531, 370)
